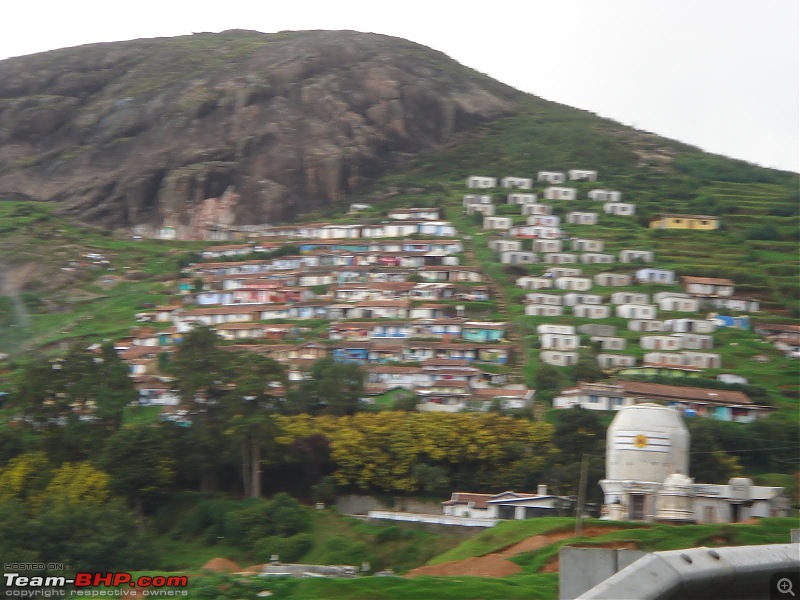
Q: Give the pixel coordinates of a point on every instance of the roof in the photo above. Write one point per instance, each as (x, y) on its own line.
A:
(682, 216)
(676, 392)
(478, 500)
(706, 280)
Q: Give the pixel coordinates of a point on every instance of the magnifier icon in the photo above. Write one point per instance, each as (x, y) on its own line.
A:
(784, 586)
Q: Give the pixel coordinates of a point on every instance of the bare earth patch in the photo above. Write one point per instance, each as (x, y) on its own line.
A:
(221, 565)
(497, 564)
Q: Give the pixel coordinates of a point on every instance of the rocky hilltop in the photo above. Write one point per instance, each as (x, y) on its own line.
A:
(141, 132)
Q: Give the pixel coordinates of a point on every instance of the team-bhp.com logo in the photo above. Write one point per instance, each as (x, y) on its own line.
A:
(94, 584)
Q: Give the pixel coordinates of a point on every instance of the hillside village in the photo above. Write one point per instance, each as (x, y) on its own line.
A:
(404, 298)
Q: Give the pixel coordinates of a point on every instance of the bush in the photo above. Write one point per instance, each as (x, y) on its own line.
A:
(344, 552)
(290, 549)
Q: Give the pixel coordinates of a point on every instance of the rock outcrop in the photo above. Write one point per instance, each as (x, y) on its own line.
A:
(142, 132)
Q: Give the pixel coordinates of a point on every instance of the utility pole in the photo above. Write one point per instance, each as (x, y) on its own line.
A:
(581, 496)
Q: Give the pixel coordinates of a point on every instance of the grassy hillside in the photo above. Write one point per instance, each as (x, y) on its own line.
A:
(529, 583)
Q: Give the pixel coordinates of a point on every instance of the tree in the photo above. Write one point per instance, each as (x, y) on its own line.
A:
(336, 387)
(115, 389)
(137, 459)
(259, 386)
(202, 372)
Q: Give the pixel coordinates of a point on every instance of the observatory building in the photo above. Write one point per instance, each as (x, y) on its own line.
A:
(647, 476)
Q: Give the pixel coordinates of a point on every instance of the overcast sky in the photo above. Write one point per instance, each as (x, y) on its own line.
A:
(723, 75)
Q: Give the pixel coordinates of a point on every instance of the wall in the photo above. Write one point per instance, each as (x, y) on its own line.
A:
(353, 504)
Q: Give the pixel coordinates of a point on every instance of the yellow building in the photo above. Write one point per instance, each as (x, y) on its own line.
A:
(705, 222)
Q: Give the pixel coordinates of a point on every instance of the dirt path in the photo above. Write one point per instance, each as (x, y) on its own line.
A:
(497, 564)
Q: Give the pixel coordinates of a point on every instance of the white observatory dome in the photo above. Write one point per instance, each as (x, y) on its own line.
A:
(646, 442)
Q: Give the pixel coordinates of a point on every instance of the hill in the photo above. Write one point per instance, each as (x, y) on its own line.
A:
(139, 132)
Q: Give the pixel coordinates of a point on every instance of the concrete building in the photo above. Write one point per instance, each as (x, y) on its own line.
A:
(543, 310)
(476, 181)
(647, 476)
(605, 195)
(624, 209)
(612, 280)
(560, 193)
(521, 198)
(582, 218)
(533, 208)
(520, 183)
(551, 176)
(672, 221)
(582, 175)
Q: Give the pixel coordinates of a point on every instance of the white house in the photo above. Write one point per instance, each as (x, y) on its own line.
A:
(702, 360)
(505, 245)
(475, 199)
(547, 245)
(551, 176)
(559, 341)
(558, 358)
(614, 361)
(560, 193)
(497, 222)
(629, 256)
(591, 311)
(582, 175)
(582, 218)
(619, 208)
(521, 198)
(645, 325)
(487, 210)
(550, 299)
(677, 304)
(543, 310)
(663, 276)
(536, 231)
(536, 209)
(573, 299)
(476, 181)
(612, 279)
(707, 286)
(584, 245)
(608, 342)
(521, 183)
(637, 311)
(518, 257)
(555, 328)
(660, 342)
(577, 284)
(690, 325)
(744, 305)
(562, 272)
(594, 258)
(606, 195)
(695, 341)
(529, 282)
(544, 220)
(559, 258)
(630, 298)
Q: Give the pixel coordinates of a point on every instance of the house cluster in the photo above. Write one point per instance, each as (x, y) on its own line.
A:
(565, 276)
(539, 221)
(401, 222)
(508, 505)
(672, 342)
(391, 305)
(720, 404)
